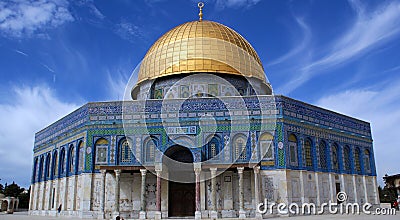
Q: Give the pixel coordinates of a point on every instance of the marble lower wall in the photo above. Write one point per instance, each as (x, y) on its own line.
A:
(79, 196)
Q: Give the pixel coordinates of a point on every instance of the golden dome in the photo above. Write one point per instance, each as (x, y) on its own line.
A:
(201, 46)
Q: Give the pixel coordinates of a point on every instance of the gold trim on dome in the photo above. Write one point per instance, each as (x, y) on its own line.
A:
(204, 46)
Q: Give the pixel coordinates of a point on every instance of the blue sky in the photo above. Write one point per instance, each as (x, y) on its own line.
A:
(56, 55)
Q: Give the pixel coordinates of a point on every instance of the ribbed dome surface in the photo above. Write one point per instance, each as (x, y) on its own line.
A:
(201, 46)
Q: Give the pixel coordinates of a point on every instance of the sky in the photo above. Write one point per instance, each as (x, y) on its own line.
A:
(57, 55)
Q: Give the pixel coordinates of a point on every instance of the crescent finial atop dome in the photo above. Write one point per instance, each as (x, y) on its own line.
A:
(200, 5)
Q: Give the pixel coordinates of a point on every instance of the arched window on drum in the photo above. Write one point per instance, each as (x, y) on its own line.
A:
(266, 147)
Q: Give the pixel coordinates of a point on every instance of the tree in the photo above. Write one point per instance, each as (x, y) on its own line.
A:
(387, 195)
(1, 188)
(13, 190)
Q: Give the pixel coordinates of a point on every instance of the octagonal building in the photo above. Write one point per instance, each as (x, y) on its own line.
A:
(201, 136)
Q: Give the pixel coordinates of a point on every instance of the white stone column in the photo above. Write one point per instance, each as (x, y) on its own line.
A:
(75, 181)
(102, 194)
(37, 195)
(86, 195)
(57, 194)
(44, 195)
(365, 190)
(197, 171)
(331, 189)
(49, 195)
(31, 198)
(375, 190)
(158, 193)
(64, 206)
(355, 189)
(302, 187)
(242, 212)
(256, 170)
(317, 188)
(117, 191)
(142, 214)
(213, 211)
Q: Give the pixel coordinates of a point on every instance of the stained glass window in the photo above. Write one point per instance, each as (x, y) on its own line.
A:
(150, 147)
(367, 163)
(126, 151)
(266, 146)
(81, 164)
(240, 148)
(48, 166)
(55, 164)
(347, 159)
(293, 150)
(357, 164)
(101, 151)
(62, 161)
(335, 157)
(322, 155)
(72, 159)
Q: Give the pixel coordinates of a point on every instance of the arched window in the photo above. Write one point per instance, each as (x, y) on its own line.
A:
(357, 165)
(347, 158)
(126, 152)
(54, 165)
(308, 152)
(212, 148)
(367, 161)
(293, 150)
(81, 157)
(41, 168)
(150, 150)
(71, 162)
(101, 151)
(35, 168)
(266, 146)
(47, 172)
(62, 161)
(239, 143)
(335, 157)
(322, 155)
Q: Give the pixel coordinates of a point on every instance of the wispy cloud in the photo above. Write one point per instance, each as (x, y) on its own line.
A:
(129, 31)
(306, 32)
(368, 31)
(20, 52)
(117, 78)
(28, 110)
(381, 107)
(221, 4)
(26, 18)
